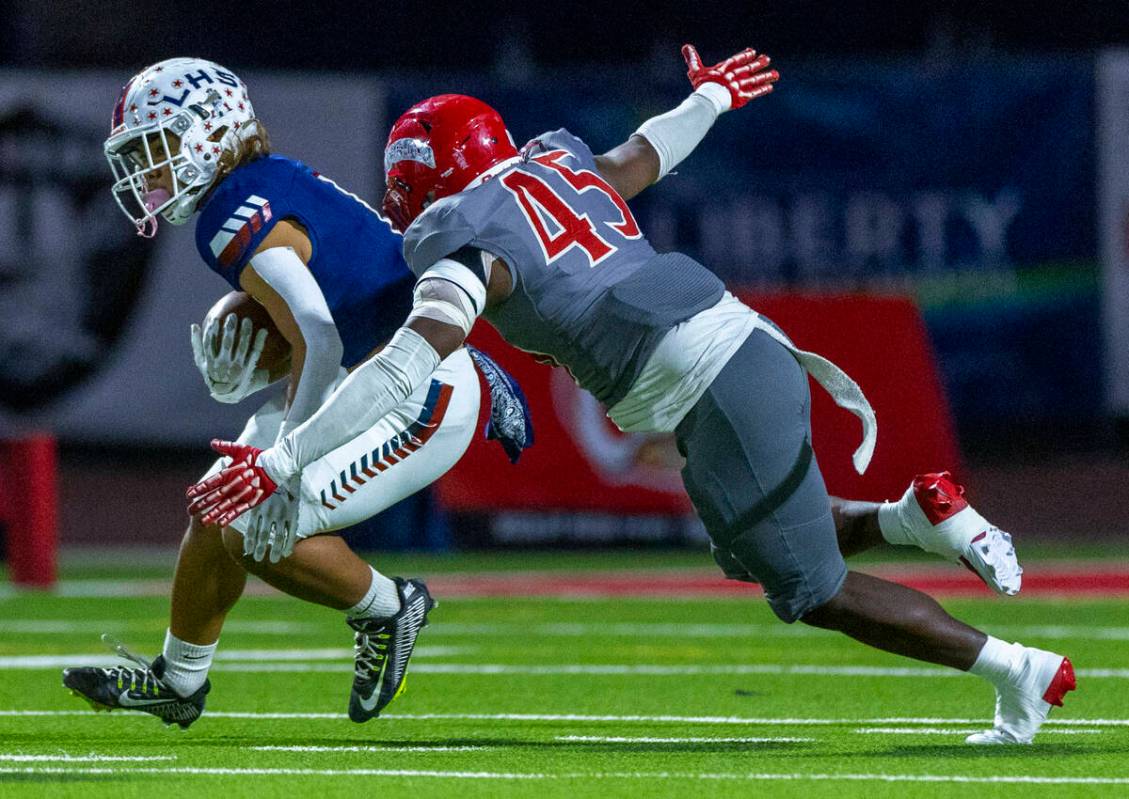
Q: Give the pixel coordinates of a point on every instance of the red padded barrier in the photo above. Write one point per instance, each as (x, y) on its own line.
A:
(580, 462)
(881, 342)
(28, 508)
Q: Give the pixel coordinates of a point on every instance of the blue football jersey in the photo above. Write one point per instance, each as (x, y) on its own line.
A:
(357, 259)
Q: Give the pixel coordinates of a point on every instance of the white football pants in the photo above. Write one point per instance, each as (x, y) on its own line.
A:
(410, 448)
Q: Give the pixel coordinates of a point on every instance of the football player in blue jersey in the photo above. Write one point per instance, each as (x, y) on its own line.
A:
(186, 144)
(541, 243)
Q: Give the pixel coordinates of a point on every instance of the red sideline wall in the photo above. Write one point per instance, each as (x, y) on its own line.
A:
(29, 507)
(879, 340)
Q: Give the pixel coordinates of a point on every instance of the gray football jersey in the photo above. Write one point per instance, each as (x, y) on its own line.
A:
(590, 292)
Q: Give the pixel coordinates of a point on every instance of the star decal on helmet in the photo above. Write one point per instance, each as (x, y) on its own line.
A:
(189, 102)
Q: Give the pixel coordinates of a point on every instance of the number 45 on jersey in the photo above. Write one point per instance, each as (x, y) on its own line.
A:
(543, 207)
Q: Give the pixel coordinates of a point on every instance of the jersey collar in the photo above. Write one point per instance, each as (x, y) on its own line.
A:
(498, 168)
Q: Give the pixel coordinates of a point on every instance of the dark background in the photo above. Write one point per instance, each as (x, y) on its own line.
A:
(409, 34)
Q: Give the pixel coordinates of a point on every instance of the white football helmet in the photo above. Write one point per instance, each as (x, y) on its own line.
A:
(206, 109)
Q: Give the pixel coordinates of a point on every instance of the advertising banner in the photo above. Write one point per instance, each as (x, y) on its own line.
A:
(93, 319)
(968, 186)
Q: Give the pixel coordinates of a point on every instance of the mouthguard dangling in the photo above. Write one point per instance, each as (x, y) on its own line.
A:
(153, 200)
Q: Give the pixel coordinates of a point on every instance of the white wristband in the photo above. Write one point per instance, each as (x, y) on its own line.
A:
(717, 94)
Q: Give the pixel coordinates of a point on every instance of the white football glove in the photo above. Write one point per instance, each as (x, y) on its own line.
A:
(228, 367)
(272, 526)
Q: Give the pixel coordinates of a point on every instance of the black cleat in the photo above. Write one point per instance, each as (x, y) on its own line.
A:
(383, 647)
(135, 688)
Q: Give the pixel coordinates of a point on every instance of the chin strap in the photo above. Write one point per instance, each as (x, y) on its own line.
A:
(152, 201)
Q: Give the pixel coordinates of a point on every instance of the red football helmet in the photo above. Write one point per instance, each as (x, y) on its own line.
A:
(436, 148)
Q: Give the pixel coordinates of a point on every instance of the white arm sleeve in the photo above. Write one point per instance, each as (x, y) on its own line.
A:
(675, 134)
(366, 396)
(282, 270)
(448, 292)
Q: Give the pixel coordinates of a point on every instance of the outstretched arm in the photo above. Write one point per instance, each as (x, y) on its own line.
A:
(662, 142)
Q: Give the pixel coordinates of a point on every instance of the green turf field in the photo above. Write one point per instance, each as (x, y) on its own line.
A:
(556, 698)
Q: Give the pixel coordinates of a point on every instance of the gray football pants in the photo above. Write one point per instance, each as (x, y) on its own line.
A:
(753, 478)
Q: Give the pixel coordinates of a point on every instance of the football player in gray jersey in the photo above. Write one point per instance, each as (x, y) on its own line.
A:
(541, 243)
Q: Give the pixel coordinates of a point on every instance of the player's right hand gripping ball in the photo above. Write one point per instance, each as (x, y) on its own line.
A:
(224, 497)
(746, 75)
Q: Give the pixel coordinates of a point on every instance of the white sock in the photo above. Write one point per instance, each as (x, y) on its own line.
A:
(186, 665)
(904, 523)
(380, 601)
(995, 661)
(895, 521)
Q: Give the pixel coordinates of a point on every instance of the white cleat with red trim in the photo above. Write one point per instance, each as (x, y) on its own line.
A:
(1036, 682)
(934, 515)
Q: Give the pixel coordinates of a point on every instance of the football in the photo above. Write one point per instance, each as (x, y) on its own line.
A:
(276, 351)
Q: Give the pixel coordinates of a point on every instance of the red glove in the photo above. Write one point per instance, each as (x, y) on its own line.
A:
(224, 497)
(743, 75)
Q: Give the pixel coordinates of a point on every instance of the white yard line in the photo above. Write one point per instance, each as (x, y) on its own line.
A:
(92, 758)
(369, 748)
(661, 670)
(625, 630)
(1064, 631)
(276, 660)
(969, 731)
(250, 656)
(57, 626)
(648, 670)
(160, 587)
(658, 670)
(618, 739)
(281, 772)
(276, 627)
(256, 655)
(300, 668)
(1022, 779)
(751, 631)
(609, 670)
(562, 629)
(582, 718)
